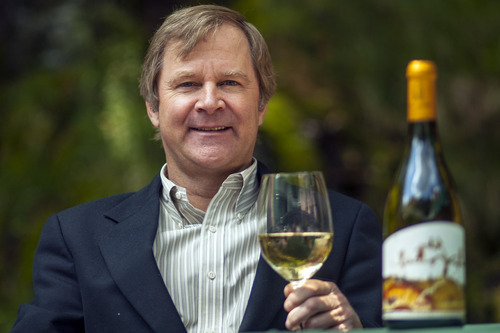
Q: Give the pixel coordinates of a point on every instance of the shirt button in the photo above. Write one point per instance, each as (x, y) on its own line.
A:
(178, 195)
(179, 226)
(212, 229)
(211, 275)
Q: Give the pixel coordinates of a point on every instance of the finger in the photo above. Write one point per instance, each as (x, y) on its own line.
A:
(335, 289)
(350, 323)
(323, 311)
(310, 308)
(327, 319)
(288, 289)
(310, 288)
(340, 317)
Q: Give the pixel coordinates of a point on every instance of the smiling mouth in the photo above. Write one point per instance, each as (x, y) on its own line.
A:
(211, 129)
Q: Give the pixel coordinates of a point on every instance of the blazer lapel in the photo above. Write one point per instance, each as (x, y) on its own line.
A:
(127, 250)
(266, 299)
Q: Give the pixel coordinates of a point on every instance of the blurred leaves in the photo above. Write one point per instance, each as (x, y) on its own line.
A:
(73, 127)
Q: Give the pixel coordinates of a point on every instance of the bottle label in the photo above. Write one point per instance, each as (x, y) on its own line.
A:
(424, 272)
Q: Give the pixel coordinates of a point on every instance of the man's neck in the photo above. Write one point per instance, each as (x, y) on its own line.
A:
(200, 195)
(200, 187)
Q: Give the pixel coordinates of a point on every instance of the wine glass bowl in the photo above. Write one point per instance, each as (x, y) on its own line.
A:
(298, 236)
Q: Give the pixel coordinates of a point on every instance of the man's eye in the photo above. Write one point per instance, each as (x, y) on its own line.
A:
(186, 84)
(230, 83)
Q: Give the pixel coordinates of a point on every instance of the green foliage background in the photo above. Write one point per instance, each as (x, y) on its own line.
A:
(73, 127)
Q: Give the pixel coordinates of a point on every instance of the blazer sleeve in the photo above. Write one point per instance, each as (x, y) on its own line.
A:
(361, 277)
(56, 306)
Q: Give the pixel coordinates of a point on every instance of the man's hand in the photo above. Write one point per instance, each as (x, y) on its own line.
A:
(319, 304)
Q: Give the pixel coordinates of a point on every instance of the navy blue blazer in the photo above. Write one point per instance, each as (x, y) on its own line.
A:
(94, 270)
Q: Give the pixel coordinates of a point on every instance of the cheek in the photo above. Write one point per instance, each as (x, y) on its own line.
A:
(172, 116)
(175, 105)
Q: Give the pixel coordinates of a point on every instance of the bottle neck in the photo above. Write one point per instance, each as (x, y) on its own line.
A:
(421, 110)
(423, 138)
(423, 131)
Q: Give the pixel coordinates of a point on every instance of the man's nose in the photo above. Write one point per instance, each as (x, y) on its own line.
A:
(211, 99)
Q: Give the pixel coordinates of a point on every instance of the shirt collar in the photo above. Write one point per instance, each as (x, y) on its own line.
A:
(244, 183)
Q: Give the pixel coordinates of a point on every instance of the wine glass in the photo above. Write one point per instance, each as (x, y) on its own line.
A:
(299, 233)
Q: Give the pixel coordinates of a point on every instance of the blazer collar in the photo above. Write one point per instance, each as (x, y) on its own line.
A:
(127, 250)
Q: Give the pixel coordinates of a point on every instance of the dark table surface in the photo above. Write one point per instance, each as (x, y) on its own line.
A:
(471, 328)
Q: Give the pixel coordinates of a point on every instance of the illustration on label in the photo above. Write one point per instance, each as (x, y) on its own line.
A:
(424, 272)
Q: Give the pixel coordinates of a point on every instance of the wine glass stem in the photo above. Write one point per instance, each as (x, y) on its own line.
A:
(297, 283)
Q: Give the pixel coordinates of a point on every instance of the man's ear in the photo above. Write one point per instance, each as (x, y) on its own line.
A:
(154, 116)
(262, 113)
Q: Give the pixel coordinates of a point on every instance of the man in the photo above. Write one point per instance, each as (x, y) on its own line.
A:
(182, 254)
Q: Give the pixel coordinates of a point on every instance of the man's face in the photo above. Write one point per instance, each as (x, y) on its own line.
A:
(208, 112)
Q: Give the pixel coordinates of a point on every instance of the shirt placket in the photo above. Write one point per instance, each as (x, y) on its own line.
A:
(211, 278)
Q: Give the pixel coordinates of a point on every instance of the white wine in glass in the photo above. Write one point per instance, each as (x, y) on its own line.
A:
(299, 233)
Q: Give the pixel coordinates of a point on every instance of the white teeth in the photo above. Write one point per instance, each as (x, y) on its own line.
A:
(211, 129)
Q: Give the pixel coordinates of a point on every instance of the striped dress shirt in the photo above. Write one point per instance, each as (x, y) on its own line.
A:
(208, 259)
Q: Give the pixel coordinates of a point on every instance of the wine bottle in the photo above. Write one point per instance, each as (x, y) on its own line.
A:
(423, 255)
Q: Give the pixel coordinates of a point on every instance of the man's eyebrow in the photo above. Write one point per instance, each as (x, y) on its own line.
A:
(180, 76)
(237, 74)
